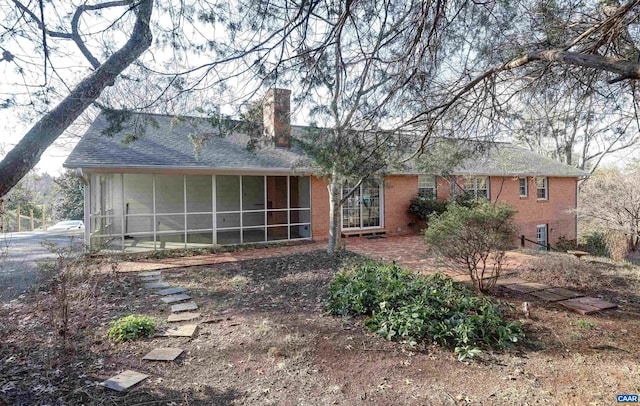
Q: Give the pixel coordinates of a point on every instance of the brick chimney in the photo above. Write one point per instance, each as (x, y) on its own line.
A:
(276, 111)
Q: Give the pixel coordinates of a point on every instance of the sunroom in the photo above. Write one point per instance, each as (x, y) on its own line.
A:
(135, 212)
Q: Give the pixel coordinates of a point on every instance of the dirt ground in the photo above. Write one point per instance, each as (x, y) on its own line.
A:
(267, 340)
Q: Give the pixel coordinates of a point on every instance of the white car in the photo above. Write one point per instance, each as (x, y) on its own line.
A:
(67, 225)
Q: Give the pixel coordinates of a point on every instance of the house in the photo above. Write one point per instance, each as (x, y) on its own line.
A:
(182, 186)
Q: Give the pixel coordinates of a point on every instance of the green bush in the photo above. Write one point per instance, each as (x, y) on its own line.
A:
(423, 207)
(474, 238)
(132, 327)
(595, 243)
(404, 306)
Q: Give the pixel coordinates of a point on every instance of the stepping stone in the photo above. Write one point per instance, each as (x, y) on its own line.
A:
(149, 273)
(182, 317)
(568, 294)
(184, 307)
(171, 291)
(548, 296)
(156, 285)
(175, 298)
(124, 381)
(526, 287)
(163, 354)
(151, 278)
(510, 281)
(587, 305)
(187, 330)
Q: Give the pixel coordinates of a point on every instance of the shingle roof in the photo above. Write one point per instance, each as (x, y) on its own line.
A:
(509, 160)
(165, 143)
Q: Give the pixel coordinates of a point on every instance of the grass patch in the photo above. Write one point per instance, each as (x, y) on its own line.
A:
(238, 282)
(404, 306)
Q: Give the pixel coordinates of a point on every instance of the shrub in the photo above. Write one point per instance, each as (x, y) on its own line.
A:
(404, 306)
(423, 207)
(475, 238)
(596, 244)
(132, 327)
(565, 244)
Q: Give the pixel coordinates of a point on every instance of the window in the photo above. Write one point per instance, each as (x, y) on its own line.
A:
(427, 186)
(524, 187)
(542, 188)
(477, 186)
(541, 236)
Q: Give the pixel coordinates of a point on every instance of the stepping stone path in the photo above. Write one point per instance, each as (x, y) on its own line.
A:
(171, 291)
(527, 287)
(568, 294)
(564, 297)
(163, 354)
(548, 296)
(124, 380)
(150, 278)
(184, 307)
(186, 330)
(587, 305)
(175, 298)
(156, 285)
(149, 273)
(184, 316)
(179, 311)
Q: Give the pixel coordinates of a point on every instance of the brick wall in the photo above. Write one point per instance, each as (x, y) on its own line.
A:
(319, 209)
(398, 192)
(556, 211)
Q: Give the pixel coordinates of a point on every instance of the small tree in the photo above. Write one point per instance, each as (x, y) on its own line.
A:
(610, 202)
(69, 203)
(474, 237)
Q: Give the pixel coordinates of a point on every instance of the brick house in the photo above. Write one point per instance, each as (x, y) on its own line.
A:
(173, 188)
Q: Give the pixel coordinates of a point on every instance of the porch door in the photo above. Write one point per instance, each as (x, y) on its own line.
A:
(363, 209)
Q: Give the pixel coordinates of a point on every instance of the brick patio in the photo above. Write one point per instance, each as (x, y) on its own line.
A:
(410, 251)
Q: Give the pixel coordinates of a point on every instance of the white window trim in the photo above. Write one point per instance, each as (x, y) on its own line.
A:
(546, 188)
(475, 189)
(526, 186)
(381, 209)
(433, 187)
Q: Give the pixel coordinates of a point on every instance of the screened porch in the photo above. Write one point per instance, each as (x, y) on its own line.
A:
(142, 212)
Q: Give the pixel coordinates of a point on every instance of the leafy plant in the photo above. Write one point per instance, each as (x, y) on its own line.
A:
(132, 327)
(596, 244)
(585, 324)
(404, 306)
(474, 237)
(423, 207)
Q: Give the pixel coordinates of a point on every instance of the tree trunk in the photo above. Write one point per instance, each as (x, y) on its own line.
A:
(24, 156)
(334, 215)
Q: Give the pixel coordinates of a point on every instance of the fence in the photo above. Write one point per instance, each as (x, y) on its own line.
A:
(17, 221)
(548, 246)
